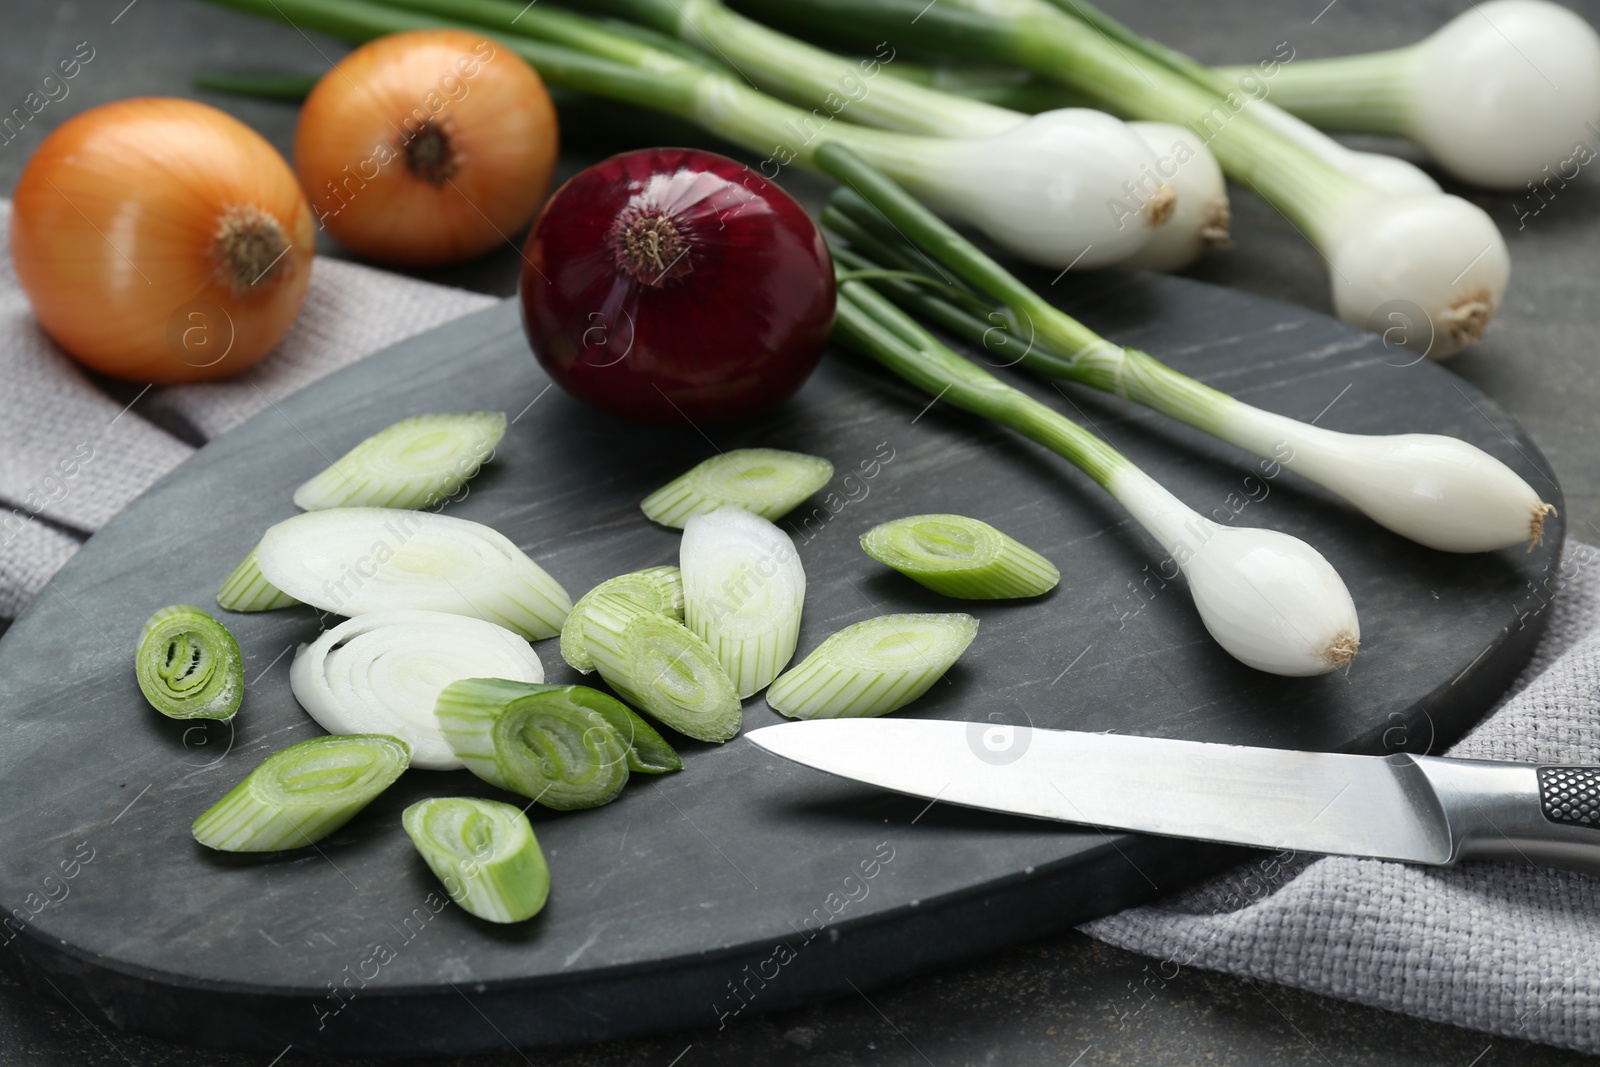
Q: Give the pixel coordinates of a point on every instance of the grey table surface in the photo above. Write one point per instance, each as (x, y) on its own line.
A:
(1066, 999)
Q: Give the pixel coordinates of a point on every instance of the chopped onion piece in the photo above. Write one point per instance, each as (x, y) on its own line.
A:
(764, 481)
(564, 746)
(873, 667)
(303, 793)
(743, 589)
(354, 560)
(485, 854)
(247, 590)
(961, 557)
(660, 667)
(412, 464)
(188, 665)
(658, 589)
(383, 672)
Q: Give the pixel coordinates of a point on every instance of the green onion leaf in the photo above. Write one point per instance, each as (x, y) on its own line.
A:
(303, 793)
(961, 557)
(764, 481)
(247, 589)
(873, 667)
(559, 745)
(485, 854)
(656, 664)
(188, 665)
(658, 589)
(743, 590)
(412, 464)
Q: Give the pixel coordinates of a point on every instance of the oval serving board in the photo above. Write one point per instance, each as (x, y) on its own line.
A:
(743, 883)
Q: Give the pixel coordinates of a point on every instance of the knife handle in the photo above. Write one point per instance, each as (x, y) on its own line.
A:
(1570, 794)
(1546, 815)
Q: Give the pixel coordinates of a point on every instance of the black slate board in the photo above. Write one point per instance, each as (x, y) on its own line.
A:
(743, 883)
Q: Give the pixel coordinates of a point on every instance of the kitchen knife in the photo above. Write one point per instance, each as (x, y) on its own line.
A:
(1414, 809)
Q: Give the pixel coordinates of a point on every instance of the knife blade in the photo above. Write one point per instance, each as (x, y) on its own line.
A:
(1413, 809)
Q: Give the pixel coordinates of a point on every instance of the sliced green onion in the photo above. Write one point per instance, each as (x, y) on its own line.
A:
(559, 745)
(961, 557)
(382, 673)
(247, 589)
(303, 793)
(412, 464)
(355, 560)
(658, 589)
(188, 665)
(656, 664)
(485, 854)
(764, 481)
(873, 667)
(743, 590)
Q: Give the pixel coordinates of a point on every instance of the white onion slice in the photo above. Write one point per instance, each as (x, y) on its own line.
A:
(743, 588)
(355, 560)
(382, 673)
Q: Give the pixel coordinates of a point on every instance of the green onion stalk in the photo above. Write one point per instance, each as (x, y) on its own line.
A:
(1436, 490)
(1130, 212)
(1270, 600)
(1257, 87)
(1004, 185)
(584, 119)
(1434, 262)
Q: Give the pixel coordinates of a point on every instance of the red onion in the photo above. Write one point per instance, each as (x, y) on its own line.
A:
(669, 284)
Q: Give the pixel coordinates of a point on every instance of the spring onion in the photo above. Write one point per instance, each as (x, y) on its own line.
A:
(303, 793)
(1109, 164)
(764, 481)
(246, 589)
(657, 589)
(382, 673)
(1027, 91)
(1499, 96)
(960, 557)
(484, 853)
(1438, 491)
(1270, 600)
(1200, 217)
(1008, 184)
(188, 665)
(412, 464)
(660, 667)
(873, 667)
(356, 560)
(1438, 258)
(1253, 88)
(563, 746)
(743, 589)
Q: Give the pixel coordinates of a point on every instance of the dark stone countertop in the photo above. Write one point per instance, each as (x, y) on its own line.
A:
(1065, 1000)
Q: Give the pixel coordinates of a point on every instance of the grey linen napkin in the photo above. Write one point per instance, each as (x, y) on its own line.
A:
(1497, 948)
(1510, 949)
(71, 456)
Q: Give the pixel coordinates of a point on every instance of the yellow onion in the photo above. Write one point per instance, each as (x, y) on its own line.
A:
(426, 147)
(161, 240)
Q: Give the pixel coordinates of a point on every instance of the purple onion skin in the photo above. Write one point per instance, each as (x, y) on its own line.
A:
(676, 286)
